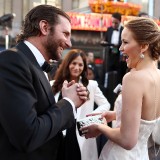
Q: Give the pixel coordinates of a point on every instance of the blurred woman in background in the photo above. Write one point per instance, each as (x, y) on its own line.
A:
(74, 67)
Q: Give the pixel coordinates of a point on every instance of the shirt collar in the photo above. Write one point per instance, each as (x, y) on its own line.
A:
(118, 29)
(39, 57)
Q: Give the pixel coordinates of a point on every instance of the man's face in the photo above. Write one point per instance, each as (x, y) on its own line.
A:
(90, 57)
(59, 39)
(115, 23)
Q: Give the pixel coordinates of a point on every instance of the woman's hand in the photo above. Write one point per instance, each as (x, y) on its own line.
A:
(109, 115)
(93, 114)
(90, 131)
(82, 92)
(93, 130)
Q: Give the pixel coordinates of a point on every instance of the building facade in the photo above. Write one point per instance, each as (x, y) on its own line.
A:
(21, 7)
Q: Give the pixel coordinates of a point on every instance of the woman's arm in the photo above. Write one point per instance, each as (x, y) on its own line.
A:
(127, 135)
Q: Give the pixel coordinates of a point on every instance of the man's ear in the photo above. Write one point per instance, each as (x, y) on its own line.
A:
(43, 25)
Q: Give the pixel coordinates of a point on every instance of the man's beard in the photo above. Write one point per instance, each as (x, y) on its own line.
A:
(52, 48)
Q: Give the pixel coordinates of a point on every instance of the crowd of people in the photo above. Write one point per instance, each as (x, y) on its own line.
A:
(40, 105)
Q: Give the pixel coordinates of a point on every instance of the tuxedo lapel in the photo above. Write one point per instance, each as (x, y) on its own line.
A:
(110, 32)
(120, 35)
(23, 48)
(46, 85)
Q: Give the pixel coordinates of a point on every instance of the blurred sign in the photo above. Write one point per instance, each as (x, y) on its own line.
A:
(125, 8)
(92, 21)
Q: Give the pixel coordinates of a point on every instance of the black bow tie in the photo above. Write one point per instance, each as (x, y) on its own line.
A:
(46, 67)
(115, 29)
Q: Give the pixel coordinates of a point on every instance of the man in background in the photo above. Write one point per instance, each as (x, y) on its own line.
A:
(91, 61)
(115, 62)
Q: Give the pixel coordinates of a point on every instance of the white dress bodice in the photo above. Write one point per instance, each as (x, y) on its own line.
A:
(112, 151)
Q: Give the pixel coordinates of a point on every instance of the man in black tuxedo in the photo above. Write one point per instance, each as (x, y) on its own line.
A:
(30, 120)
(115, 61)
(115, 64)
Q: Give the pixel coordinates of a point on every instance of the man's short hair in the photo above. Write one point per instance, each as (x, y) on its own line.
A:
(117, 16)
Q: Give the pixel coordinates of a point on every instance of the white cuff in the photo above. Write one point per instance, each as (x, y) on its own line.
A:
(73, 106)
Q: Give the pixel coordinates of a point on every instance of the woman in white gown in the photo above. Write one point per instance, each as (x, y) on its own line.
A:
(140, 110)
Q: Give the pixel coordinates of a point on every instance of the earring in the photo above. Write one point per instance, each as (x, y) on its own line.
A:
(141, 56)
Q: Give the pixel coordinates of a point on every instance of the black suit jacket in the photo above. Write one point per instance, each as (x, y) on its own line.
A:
(30, 121)
(108, 35)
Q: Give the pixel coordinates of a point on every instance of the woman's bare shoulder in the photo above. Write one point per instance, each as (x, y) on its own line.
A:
(134, 75)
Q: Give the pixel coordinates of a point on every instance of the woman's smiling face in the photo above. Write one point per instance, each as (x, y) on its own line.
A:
(130, 48)
(76, 68)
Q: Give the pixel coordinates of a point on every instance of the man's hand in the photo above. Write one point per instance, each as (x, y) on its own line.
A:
(75, 92)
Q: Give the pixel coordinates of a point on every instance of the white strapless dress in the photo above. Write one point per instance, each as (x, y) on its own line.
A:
(112, 151)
